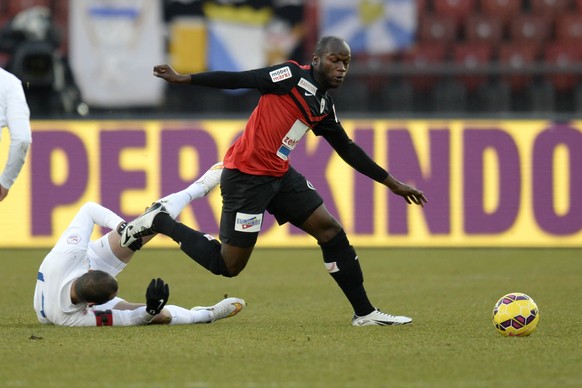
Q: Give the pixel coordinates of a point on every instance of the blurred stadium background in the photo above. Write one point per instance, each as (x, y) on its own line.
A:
(474, 101)
(423, 57)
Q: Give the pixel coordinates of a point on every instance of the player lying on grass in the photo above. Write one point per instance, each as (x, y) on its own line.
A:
(76, 283)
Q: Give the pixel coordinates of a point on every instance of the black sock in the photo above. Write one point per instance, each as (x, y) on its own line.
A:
(200, 247)
(344, 266)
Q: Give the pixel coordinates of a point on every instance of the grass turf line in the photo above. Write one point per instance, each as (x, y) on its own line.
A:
(296, 329)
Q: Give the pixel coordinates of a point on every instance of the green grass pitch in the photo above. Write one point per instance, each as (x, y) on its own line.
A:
(296, 329)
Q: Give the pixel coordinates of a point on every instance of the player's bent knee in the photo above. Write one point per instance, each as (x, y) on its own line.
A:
(235, 259)
(234, 267)
(233, 271)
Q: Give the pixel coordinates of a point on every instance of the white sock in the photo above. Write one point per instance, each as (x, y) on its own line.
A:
(182, 316)
(176, 202)
(200, 316)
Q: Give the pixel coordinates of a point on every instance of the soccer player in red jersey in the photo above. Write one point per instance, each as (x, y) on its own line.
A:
(257, 175)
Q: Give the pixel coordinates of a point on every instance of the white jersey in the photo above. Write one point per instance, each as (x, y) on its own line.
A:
(74, 255)
(15, 115)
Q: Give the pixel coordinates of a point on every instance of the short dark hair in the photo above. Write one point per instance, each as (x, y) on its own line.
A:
(322, 43)
(96, 287)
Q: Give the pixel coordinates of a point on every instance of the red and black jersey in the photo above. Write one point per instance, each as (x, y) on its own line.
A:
(291, 104)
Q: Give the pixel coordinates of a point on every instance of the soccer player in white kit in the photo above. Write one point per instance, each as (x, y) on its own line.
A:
(76, 283)
(15, 115)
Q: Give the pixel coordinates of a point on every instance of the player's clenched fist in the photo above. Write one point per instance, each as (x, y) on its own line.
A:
(167, 73)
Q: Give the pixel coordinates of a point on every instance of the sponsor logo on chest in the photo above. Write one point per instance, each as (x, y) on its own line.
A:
(311, 91)
(308, 86)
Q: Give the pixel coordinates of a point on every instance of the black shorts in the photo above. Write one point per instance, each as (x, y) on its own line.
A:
(290, 198)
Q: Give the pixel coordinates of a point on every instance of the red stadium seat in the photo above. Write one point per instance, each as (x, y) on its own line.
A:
(569, 28)
(471, 56)
(15, 6)
(458, 9)
(4, 58)
(60, 13)
(504, 10)
(422, 7)
(437, 28)
(550, 8)
(562, 54)
(481, 27)
(516, 56)
(4, 17)
(530, 28)
(420, 58)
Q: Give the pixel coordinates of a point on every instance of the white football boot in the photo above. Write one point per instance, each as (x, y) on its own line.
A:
(378, 318)
(211, 178)
(142, 225)
(226, 308)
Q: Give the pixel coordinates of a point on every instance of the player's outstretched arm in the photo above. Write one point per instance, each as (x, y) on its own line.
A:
(248, 79)
(410, 194)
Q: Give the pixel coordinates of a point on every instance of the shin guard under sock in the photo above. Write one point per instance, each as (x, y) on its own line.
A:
(343, 265)
(200, 247)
